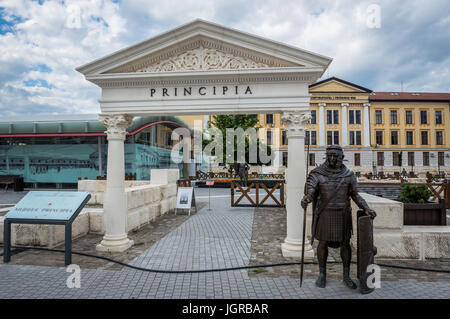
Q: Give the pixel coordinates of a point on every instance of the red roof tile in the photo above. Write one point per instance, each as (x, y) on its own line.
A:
(409, 96)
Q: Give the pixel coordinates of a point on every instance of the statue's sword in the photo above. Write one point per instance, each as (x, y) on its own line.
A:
(304, 215)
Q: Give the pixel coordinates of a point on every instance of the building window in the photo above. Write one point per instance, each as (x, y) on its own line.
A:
(439, 138)
(354, 116)
(394, 117)
(411, 158)
(357, 159)
(335, 116)
(332, 116)
(426, 158)
(378, 117)
(409, 117)
(394, 138)
(336, 137)
(380, 158)
(423, 117)
(269, 118)
(438, 116)
(355, 137)
(396, 158)
(313, 138)
(312, 159)
(332, 137)
(424, 137)
(441, 159)
(284, 139)
(379, 137)
(313, 117)
(285, 159)
(358, 137)
(409, 137)
(269, 137)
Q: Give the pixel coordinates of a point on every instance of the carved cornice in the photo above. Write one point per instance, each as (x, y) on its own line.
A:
(203, 59)
(116, 125)
(295, 123)
(220, 80)
(202, 53)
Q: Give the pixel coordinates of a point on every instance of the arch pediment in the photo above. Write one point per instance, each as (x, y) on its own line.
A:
(202, 45)
(202, 54)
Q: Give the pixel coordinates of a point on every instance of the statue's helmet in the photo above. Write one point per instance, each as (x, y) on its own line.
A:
(335, 147)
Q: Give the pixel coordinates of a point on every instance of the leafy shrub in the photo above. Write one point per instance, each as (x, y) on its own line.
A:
(417, 193)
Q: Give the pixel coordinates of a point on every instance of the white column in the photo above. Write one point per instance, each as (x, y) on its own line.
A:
(366, 125)
(344, 124)
(295, 182)
(321, 124)
(115, 204)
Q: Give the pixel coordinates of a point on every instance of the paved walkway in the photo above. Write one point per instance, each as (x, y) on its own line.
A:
(209, 239)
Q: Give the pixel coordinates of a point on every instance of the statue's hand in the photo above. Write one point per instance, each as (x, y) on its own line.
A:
(371, 213)
(304, 202)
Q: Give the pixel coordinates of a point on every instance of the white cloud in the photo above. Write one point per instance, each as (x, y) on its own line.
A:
(412, 44)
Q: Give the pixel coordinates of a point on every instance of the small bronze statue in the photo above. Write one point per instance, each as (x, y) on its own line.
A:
(242, 170)
(330, 187)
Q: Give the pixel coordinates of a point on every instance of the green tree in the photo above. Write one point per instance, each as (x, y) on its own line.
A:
(244, 121)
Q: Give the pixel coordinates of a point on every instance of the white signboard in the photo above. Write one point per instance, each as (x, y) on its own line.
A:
(186, 198)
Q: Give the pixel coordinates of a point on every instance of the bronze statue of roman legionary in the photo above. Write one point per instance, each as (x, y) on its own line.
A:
(330, 188)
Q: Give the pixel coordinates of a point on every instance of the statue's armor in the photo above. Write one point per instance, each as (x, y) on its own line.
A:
(331, 194)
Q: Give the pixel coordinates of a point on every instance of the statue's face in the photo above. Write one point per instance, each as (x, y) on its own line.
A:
(334, 158)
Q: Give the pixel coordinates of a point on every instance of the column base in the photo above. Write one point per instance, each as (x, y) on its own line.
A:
(290, 249)
(114, 245)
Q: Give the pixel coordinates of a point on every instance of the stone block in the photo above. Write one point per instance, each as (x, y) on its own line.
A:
(99, 198)
(172, 190)
(144, 216)
(164, 176)
(133, 220)
(389, 212)
(154, 211)
(135, 197)
(164, 206)
(31, 235)
(93, 199)
(87, 185)
(151, 194)
(96, 220)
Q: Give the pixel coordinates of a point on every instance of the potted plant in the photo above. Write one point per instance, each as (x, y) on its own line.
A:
(417, 209)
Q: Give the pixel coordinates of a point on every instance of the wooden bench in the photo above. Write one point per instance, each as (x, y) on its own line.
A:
(10, 180)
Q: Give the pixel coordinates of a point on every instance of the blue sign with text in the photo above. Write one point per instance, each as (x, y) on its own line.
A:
(48, 205)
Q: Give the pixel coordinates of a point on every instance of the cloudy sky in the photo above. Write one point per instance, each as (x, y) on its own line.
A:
(42, 42)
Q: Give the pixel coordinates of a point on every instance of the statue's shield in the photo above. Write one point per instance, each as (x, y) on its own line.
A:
(366, 249)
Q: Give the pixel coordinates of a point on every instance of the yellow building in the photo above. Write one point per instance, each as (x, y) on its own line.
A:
(379, 131)
(339, 115)
(375, 129)
(411, 130)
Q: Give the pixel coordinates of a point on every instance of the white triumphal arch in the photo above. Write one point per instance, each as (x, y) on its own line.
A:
(204, 68)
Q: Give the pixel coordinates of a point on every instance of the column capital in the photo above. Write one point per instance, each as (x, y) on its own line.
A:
(322, 104)
(344, 104)
(366, 104)
(295, 122)
(116, 125)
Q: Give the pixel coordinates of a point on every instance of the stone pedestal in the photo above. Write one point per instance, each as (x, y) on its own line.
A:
(115, 206)
(295, 182)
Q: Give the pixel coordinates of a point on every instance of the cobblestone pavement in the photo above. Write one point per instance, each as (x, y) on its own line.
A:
(269, 231)
(208, 239)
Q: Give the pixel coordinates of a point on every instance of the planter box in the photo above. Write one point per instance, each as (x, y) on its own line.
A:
(425, 214)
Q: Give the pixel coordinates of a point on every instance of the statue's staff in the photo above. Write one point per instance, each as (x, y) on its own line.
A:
(304, 214)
